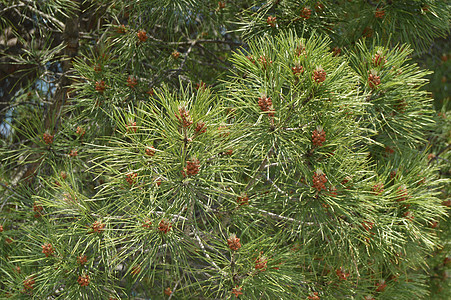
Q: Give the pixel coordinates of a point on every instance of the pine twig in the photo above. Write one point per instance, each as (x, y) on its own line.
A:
(202, 247)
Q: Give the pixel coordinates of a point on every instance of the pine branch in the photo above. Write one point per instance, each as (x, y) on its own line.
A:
(201, 245)
(60, 24)
(279, 217)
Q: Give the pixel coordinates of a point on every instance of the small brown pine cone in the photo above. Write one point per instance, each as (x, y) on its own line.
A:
(142, 36)
(201, 127)
(233, 242)
(98, 227)
(47, 249)
(164, 226)
(306, 12)
(297, 70)
(379, 14)
(314, 296)
(100, 86)
(28, 284)
(175, 54)
(379, 59)
(132, 82)
(261, 263)
(373, 80)
(192, 167)
(48, 138)
(184, 117)
(131, 127)
(319, 179)
(80, 131)
(318, 136)
(319, 75)
(271, 21)
(82, 259)
(167, 291)
(83, 280)
(131, 178)
(243, 200)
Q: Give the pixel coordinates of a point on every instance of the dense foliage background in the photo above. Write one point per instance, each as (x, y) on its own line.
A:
(220, 149)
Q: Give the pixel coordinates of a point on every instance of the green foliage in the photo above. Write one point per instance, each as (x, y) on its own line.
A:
(297, 172)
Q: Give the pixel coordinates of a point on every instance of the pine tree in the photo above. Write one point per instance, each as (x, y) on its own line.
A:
(205, 149)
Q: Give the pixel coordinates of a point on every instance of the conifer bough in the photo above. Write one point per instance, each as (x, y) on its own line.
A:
(299, 175)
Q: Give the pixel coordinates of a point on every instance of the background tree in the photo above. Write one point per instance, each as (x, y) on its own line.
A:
(204, 149)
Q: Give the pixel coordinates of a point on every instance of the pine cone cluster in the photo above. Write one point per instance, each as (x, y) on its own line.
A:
(132, 82)
(184, 117)
(142, 36)
(260, 263)
(48, 138)
(297, 70)
(306, 12)
(336, 51)
(379, 13)
(147, 224)
(300, 50)
(242, 200)
(314, 296)
(175, 54)
(121, 29)
(192, 167)
(233, 242)
(265, 104)
(100, 86)
(80, 131)
(98, 227)
(28, 284)
(201, 127)
(131, 126)
(319, 75)
(47, 249)
(271, 21)
(342, 274)
(83, 280)
(82, 259)
(131, 178)
(373, 80)
(37, 209)
(237, 291)
(381, 285)
(73, 153)
(167, 291)
(164, 226)
(379, 60)
(318, 136)
(264, 61)
(319, 179)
